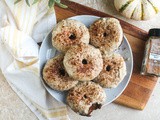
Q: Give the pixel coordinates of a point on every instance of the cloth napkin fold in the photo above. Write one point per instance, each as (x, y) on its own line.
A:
(21, 28)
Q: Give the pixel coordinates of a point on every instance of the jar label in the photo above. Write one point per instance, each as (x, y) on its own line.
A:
(154, 56)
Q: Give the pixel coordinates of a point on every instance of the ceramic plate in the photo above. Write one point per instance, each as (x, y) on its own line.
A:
(47, 52)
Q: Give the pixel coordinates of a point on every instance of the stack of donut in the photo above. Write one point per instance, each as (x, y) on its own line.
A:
(87, 63)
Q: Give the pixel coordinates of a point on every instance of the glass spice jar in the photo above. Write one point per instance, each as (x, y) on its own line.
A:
(151, 60)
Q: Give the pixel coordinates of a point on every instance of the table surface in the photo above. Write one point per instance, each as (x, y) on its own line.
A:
(12, 108)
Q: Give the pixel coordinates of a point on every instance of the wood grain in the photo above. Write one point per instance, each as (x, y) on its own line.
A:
(139, 90)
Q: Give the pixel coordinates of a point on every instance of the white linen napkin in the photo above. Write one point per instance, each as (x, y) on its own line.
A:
(21, 27)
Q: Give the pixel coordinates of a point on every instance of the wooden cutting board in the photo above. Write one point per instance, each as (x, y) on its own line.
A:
(139, 90)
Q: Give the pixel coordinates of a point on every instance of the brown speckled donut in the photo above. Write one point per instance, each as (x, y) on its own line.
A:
(69, 32)
(86, 97)
(55, 75)
(106, 34)
(83, 62)
(114, 71)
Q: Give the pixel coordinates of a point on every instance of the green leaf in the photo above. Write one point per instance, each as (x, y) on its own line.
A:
(57, 1)
(61, 5)
(27, 1)
(51, 3)
(34, 2)
(17, 1)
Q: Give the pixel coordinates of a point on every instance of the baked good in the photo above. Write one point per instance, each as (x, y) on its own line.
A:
(86, 97)
(83, 62)
(106, 34)
(55, 75)
(114, 71)
(69, 32)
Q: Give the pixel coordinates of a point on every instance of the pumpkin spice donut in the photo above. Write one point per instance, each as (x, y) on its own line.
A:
(69, 32)
(114, 71)
(86, 97)
(55, 75)
(106, 34)
(83, 62)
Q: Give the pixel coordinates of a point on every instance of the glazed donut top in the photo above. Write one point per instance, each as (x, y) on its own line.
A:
(106, 34)
(86, 97)
(69, 32)
(83, 62)
(55, 75)
(114, 70)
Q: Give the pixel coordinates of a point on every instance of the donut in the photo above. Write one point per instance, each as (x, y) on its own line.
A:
(83, 62)
(106, 34)
(114, 71)
(86, 97)
(55, 75)
(69, 32)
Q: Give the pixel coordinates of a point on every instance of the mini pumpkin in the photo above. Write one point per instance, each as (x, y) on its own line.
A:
(138, 9)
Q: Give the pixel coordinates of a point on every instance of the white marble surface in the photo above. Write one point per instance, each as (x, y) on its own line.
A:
(12, 108)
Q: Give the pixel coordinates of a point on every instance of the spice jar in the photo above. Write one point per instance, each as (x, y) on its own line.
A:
(151, 60)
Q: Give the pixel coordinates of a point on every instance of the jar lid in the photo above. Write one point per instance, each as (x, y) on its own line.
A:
(154, 32)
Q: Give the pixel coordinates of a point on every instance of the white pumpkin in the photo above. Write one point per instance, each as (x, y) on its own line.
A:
(138, 9)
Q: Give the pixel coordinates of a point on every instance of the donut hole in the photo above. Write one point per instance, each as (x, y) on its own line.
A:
(105, 34)
(108, 68)
(62, 72)
(84, 61)
(85, 96)
(72, 36)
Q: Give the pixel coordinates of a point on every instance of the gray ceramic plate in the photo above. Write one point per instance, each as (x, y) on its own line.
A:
(47, 52)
